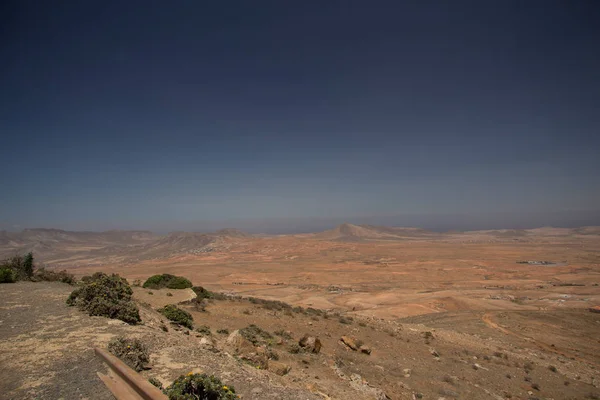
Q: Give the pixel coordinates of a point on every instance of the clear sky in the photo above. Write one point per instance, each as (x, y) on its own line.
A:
(292, 115)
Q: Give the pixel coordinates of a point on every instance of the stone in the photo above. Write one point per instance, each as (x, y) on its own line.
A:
(278, 368)
(365, 349)
(348, 341)
(310, 343)
(239, 344)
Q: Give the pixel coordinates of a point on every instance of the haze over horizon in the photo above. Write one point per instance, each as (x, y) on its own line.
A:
(276, 117)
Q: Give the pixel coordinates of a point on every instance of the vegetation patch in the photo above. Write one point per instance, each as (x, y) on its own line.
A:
(199, 387)
(17, 268)
(7, 275)
(107, 296)
(132, 351)
(178, 315)
(204, 330)
(255, 334)
(167, 281)
(42, 274)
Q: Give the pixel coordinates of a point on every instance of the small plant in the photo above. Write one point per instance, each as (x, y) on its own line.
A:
(7, 275)
(177, 315)
(362, 323)
(224, 331)
(167, 281)
(169, 294)
(204, 330)
(199, 387)
(137, 283)
(345, 320)
(535, 386)
(151, 293)
(132, 351)
(294, 348)
(552, 368)
(156, 383)
(272, 354)
(106, 296)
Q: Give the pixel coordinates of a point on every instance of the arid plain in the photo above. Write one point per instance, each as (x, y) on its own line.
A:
(523, 293)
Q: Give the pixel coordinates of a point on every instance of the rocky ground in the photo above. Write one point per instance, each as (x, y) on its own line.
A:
(46, 350)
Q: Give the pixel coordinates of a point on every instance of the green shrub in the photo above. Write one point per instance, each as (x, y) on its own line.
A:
(223, 331)
(7, 275)
(21, 267)
(177, 315)
(42, 274)
(106, 296)
(199, 387)
(202, 293)
(167, 281)
(132, 351)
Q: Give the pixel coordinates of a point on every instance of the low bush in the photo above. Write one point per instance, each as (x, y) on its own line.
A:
(177, 315)
(224, 331)
(42, 274)
(167, 281)
(204, 330)
(21, 268)
(132, 351)
(199, 387)
(255, 334)
(7, 275)
(107, 296)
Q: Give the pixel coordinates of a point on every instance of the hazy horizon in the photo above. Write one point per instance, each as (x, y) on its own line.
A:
(272, 116)
(435, 223)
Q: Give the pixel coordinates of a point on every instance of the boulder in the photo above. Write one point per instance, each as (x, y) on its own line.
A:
(348, 341)
(310, 343)
(239, 344)
(256, 359)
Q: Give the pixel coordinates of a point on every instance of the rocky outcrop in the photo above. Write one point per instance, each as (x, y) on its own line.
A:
(310, 343)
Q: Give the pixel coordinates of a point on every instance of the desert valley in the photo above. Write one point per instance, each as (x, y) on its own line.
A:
(483, 314)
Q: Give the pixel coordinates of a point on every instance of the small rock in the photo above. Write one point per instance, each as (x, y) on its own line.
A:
(348, 341)
(278, 367)
(365, 349)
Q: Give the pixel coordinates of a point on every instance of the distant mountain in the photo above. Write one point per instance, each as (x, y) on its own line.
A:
(351, 232)
(232, 232)
(46, 242)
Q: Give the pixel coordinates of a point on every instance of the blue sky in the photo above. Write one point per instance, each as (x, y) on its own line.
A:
(286, 116)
